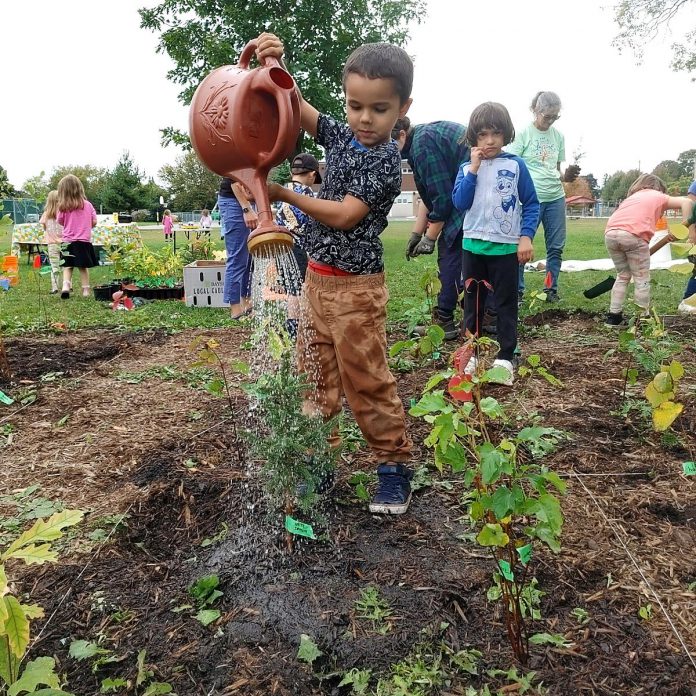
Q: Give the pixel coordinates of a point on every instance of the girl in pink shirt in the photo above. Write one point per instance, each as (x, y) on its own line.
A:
(53, 237)
(168, 225)
(78, 217)
(628, 234)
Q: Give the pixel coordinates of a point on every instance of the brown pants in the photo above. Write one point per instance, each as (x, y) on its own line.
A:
(342, 346)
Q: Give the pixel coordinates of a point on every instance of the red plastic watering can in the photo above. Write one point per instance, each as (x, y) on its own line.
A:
(243, 123)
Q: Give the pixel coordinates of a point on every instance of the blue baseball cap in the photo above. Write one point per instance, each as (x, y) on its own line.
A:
(692, 188)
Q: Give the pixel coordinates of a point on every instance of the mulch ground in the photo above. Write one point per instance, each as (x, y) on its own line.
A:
(163, 451)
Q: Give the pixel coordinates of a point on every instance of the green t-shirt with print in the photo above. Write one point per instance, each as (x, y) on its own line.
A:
(542, 152)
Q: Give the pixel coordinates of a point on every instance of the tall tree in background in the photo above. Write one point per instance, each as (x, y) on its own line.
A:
(36, 187)
(92, 178)
(190, 185)
(641, 21)
(7, 190)
(123, 189)
(318, 36)
(616, 186)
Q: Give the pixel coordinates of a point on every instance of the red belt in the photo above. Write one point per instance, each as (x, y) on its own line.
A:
(326, 270)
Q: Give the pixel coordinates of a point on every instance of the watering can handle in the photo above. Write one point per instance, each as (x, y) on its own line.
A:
(282, 96)
(248, 53)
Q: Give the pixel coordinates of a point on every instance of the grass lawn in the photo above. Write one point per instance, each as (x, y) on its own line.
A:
(22, 309)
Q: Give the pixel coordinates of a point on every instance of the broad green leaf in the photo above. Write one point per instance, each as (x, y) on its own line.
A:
(207, 616)
(45, 530)
(42, 670)
(505, 500)
(546, 534)
(308, 650)
(555, 480)
(665, 414)
(16, 626)
(493, 463)
(676, 370)
(84, 650)
(8, 663)
(400, 346)
(436, 334)
(489, 405)
(550, 512)
(436, 379)
(36, 555)
(455, 456)
(477, 510)
(492, 535)
(534, 360)
(430, 403)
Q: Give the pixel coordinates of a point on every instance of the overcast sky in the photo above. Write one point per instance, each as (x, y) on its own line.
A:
(82, 82)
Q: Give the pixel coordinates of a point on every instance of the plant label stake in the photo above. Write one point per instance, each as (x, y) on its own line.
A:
(4, 399)
(689, 468)
(299, 528)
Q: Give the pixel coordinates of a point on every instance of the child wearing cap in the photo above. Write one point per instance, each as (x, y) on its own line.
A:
(342, 333)
(497, 195)
(305, 173)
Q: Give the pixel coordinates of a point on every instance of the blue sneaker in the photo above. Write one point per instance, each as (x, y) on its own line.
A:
(393, 490)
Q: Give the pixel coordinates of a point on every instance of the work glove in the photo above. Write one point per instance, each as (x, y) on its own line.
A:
(571, 173)
(424, 246)
(412, 244)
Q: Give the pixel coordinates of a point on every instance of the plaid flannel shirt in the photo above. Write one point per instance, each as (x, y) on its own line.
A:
(435, 154)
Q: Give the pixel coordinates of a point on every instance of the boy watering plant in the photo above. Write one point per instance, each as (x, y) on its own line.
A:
(342, 333)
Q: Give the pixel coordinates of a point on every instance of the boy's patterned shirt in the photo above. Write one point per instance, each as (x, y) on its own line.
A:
(371, 174)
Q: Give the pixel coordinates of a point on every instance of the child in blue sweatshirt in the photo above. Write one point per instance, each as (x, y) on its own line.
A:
(498, 196)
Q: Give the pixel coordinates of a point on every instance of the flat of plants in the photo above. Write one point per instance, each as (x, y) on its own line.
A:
(177, 576)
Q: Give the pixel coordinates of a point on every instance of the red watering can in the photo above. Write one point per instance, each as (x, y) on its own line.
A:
(243, 123)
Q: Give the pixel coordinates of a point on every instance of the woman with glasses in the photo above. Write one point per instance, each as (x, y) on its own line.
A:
(542, 147)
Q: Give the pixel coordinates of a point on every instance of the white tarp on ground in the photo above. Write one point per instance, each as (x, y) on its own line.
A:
(599, 265)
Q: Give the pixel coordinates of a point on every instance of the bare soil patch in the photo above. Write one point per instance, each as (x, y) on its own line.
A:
(164, 451)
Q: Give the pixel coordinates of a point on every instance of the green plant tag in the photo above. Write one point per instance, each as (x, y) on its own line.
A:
(525, 553)
(413, 403)
(689, 467)
(299, 528)
(4, 399)
(436, 356)
(506, 570)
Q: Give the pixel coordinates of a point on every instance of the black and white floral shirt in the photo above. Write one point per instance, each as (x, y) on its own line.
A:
(371, 174)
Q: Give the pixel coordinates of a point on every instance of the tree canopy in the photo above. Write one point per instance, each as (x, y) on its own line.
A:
(640, 21)
(191, 186)
(6, 188)
(318, 36)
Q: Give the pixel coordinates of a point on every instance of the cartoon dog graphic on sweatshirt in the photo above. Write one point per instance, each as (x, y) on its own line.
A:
(504, 186)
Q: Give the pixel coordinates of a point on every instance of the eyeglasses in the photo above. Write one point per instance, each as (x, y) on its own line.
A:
(550, 119)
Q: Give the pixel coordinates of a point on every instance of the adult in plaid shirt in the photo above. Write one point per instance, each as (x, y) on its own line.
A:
(435, 152)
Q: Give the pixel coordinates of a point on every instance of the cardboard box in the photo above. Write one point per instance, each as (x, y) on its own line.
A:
(203, 284)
